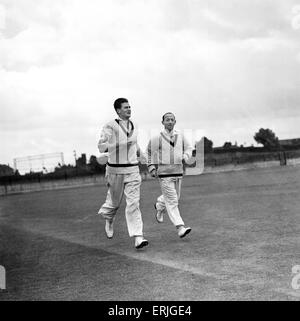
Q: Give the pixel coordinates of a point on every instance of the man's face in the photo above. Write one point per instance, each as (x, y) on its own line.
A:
(169, 122)
(125, 111)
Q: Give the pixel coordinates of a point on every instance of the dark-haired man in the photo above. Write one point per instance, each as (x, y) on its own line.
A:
(119, 141)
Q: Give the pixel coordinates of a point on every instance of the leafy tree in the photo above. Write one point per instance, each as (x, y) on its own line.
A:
(94, 166)
(267, 138)
(208, 145)
(6, 170)
(227, 145)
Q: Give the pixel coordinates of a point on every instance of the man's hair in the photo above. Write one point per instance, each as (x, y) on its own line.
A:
(118, 103)
(163, 117)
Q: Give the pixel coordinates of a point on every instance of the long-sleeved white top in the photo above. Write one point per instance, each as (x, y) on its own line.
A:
(166, 151)
(118, 142)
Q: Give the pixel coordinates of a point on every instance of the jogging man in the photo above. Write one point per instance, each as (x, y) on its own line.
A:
(118, 141)
(165, 155)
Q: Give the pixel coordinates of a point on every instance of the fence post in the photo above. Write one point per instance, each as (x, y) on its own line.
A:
(282, 158)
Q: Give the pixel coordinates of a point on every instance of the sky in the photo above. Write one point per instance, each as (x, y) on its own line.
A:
(224, 68)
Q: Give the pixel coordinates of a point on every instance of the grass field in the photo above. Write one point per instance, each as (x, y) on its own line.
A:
(244, 243)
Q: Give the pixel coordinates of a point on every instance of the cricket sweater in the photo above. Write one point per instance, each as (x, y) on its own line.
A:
(166, 151)
(118, 144)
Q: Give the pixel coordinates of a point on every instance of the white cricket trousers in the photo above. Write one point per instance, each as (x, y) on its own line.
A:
(128, 184)
(168, 201)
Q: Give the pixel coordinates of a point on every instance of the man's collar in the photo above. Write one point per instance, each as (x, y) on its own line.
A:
(172, 133)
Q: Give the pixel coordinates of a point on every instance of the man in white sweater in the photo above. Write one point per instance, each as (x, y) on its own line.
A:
(165, 155)
(118, 142)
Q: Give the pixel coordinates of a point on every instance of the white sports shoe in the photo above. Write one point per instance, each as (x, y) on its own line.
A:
(140, 242)
(183, 231)
(159, 215)
(109, 228)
